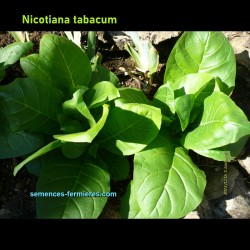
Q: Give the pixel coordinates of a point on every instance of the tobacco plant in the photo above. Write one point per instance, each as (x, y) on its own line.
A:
(74, 126)
(199, 76)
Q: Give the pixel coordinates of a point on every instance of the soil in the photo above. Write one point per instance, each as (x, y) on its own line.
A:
(15, 201)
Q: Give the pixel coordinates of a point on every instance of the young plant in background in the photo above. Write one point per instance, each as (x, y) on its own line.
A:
(145, 56)
(74, 36)
(200, 74)
(20, 36)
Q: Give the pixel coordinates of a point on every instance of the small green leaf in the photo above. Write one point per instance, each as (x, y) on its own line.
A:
(222, 123)
(131, 95)
(89, 135)
(100, 73)
(129, 128)
(51, 146)
(101, 93)
(72, 180)
(164, 99)
(78, 108)
(183, 107)
(13, 52)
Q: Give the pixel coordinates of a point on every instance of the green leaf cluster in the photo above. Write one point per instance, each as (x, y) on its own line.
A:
(75, 127)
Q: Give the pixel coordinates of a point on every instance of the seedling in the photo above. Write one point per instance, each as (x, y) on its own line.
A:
(145, 56)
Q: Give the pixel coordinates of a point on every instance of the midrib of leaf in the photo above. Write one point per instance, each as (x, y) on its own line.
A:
(205, 48)
(69, 198)
(227, 122)
(79, 183)
(71, 78)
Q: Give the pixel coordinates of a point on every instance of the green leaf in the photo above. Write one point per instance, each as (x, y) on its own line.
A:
(78, 108)
(117, 165)
(13, 52)
(167, 183)
(72, 177)
(69, 125)
(51, 146)
(101, 93)
(146, 56)
(31, 107)
(34, 167)
(192, 83)
(129, 204)
(15, 144)
(73, 150)
(222, 123)
(183, 107)
(35, 70)
(100, 73)
(62, 61)
(129, 128)
(91, 44)
(225, 153)
(164, 99)
(2, 71)
(131, 95)
(88, 135)
(211, 54)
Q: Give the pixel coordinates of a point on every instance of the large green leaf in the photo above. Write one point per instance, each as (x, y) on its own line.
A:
(76, 177)
(15, 144)
(31, 107)
(129, 128)
(129, 204)
(65, 64)
(13, 52)
(222, 123)
(90, 134)
(202, 52)
(167, 183)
